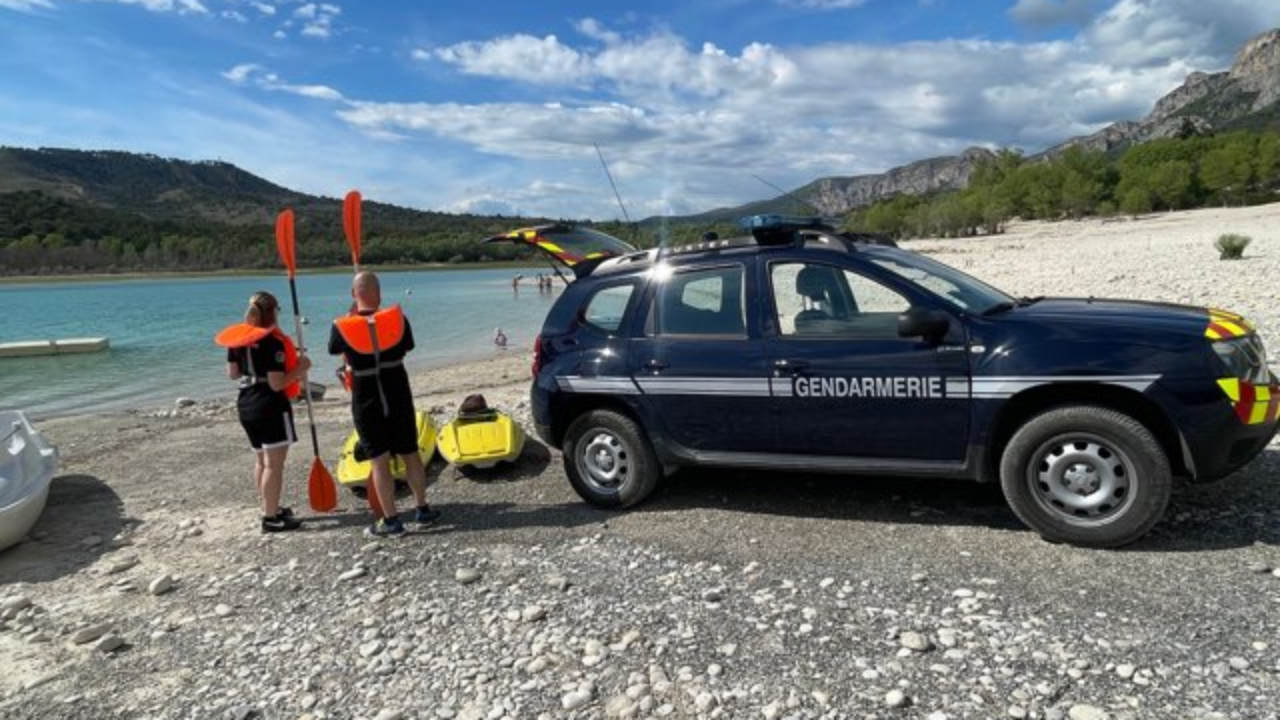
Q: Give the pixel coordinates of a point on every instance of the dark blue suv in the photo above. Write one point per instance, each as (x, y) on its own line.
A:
(799, 348)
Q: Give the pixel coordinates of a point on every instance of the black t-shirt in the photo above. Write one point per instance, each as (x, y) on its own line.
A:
(257, 399)
(395, 381)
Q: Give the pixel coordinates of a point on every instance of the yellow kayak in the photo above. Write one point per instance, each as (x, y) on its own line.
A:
(353, 473)
(482, 439)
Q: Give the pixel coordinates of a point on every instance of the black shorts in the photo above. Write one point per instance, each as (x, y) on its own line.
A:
(270, 430)
(397, 434)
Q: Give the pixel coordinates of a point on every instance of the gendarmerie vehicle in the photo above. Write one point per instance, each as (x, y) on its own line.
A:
(799, 348)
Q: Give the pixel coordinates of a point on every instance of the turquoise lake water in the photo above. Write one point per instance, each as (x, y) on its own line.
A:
(161, 331)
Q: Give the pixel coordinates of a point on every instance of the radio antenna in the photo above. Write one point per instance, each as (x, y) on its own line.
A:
(797, 198)
(612, 184)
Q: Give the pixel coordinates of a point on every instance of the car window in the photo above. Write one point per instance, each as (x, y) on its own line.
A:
(960, 290)
(703, 302)
(818, 300)
(605, 309)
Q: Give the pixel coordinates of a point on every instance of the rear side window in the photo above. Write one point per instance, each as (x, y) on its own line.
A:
(703, 302)
(605, 309)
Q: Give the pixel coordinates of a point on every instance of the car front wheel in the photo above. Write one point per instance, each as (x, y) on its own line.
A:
(608, 460)
(1086, 475)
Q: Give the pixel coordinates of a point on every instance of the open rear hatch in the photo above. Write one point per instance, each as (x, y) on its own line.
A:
(578, 248)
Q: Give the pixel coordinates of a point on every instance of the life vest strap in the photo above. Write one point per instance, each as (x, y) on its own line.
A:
(370, 372)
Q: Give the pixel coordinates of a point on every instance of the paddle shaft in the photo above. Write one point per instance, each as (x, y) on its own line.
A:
(306, 391)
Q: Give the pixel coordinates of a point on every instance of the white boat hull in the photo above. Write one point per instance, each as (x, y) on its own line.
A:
(27, 466)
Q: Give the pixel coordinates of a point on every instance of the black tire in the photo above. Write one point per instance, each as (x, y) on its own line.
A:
(1087, 476)
(609, 460)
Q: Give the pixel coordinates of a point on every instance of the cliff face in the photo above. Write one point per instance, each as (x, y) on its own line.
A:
(1204, 103)
(835, 195)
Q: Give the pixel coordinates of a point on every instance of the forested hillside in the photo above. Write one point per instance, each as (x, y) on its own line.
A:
(1169, 174)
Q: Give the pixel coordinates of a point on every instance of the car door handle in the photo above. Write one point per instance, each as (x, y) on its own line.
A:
(791, 368)
(656, 365)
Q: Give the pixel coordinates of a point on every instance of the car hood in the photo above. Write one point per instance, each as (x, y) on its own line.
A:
(1135, 314)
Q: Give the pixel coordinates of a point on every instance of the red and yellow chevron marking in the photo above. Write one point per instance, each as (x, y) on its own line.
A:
(1224, 325)
(1253, 404)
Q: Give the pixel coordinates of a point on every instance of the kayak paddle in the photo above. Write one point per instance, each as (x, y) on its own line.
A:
(351, 228)
(320, 486)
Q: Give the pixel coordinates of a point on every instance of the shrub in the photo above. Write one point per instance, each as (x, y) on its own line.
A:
(1231, 246)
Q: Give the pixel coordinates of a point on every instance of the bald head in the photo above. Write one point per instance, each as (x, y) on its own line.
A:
(367, 291)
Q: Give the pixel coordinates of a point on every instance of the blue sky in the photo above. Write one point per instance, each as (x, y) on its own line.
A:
(495, 106)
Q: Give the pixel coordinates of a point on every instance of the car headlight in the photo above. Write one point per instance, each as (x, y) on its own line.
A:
(1245, 358)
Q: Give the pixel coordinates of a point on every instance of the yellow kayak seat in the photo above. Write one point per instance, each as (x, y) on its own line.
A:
(482, 439)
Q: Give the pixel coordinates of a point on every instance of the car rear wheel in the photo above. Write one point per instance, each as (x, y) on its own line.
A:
(608, 460)
(1086, 475)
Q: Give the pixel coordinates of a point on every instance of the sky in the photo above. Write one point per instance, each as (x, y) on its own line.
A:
(499, 107)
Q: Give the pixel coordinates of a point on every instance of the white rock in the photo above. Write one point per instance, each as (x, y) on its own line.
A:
(161, 585)
(355, 572)
(91, 633)
(110, 643)
(772, 711)
(389, 714)
(575, 700)
(1125, 670)
(15, 604)
(184, 402)
(533, 613)
(915, 641)
(466, 576)
(1086, 712)
(223, 610)
(896, 699)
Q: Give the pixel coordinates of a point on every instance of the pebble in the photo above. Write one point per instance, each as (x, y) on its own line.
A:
(223, 610)
(533, 613)
(914, 641)
(15, 604)
(896, 699)
(161, 585)
(1125, 671)
(355, 572)
(1086, 712)
(91, 633)
(389, 715)
(575, 700)
(110, 643)
(466, 576)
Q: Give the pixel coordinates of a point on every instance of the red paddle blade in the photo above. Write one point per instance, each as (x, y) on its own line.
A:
(321, 492)
(284, 240)
(351, 223)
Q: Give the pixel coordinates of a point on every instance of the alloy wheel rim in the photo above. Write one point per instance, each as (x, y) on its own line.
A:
(604, 461)
(1084, 480)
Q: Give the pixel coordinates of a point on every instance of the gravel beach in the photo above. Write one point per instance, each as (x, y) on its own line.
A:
(147, 591)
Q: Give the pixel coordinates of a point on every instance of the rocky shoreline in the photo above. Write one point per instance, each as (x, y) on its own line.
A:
(147, 592)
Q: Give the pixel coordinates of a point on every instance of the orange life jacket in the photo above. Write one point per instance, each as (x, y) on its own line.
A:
(245, 335)
(372, 335)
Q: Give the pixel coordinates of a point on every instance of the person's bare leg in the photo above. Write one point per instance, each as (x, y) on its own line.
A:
(416, 475)
(259, 467)
(273, 479)
(384, 484)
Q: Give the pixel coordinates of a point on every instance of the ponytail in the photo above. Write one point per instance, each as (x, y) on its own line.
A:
(263, 310)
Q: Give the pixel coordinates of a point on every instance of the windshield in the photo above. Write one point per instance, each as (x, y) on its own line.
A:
(964, 292)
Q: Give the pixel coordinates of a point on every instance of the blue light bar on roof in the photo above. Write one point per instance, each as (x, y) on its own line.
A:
(781, 222)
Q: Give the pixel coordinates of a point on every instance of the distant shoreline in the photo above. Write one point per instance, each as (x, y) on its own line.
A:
(246, 272)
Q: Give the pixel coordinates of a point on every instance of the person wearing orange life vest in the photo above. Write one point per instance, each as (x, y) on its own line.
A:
(373, 343)
(264, 362)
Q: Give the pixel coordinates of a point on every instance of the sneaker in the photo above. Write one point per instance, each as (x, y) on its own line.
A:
(386, 528)
(280, 523)
(286, 511)
(424, 515)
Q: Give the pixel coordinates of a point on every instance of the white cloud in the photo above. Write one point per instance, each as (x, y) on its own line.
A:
(234, 16)
(1048, 13)
(264, 8)
(255, 74)
(317, 20)
(519, 57)
(280, 35)
(307, 12)
(26, 5)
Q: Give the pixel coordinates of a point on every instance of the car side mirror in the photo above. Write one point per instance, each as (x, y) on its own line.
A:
(923, 323)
